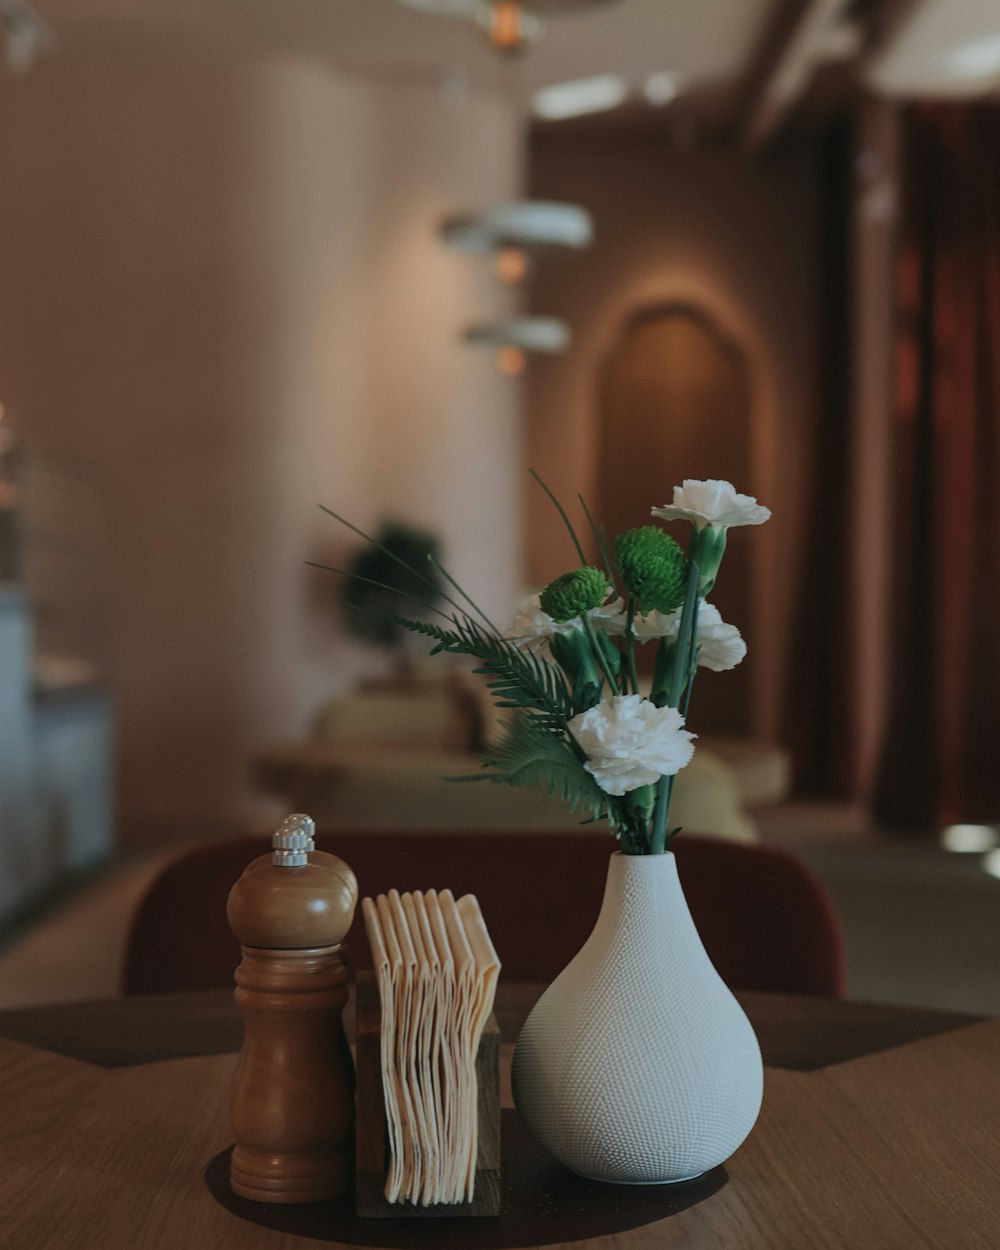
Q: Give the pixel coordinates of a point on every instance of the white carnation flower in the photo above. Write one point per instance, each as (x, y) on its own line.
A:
(721, 646)
(630, 742)
(656, 625)
(533, 628)
(712, 503)
(610, 617)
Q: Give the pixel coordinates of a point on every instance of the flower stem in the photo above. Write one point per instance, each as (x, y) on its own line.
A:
(329, 568)
(630, 645)
(680, 683)
(562, 512)
(601, 539)
(392, 556)
(664, 791)
(687, 634)
(595, 646)
(468, 599)
(633, 843)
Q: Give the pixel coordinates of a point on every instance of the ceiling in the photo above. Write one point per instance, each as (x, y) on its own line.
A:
(705, 38)
(944, 48)
(743, 57)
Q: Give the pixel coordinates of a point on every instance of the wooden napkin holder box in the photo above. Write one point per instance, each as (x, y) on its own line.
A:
(372, 1138)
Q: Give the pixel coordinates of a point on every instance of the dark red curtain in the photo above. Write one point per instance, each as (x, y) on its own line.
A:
(941, 761)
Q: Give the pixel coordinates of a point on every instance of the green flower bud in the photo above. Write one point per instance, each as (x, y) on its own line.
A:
(574, 593)
(653, 568)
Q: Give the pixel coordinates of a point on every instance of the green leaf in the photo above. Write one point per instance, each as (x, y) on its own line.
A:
(562, 512)
(530, 755)
(517, 679)
(600, 536)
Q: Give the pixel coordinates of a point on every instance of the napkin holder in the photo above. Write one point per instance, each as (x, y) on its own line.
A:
(372, 1129)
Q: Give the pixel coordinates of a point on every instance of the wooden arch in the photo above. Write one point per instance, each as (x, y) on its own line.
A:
(676, 402)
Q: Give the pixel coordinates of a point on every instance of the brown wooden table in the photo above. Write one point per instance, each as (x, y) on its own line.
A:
(880, 1129)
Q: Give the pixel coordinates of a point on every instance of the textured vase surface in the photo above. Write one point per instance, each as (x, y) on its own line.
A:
(637, 1064)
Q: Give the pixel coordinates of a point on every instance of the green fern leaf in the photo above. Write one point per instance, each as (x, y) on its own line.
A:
(516, 679)
(529, 754)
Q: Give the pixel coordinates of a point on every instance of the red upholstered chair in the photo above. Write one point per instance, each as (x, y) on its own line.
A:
(766, 921)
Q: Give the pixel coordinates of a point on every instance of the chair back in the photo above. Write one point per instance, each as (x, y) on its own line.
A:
(766, 921)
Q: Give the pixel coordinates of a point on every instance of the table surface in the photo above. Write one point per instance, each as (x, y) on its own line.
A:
(879, 1130)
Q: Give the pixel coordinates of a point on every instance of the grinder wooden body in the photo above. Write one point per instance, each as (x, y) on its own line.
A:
(293, 1098)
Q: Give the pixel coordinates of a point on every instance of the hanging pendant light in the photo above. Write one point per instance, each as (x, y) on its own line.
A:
(509, 28)
(512, 340)
(510, 25)
(519, 233)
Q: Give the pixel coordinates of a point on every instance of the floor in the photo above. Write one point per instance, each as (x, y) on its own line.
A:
(922, 926)
(74, 949)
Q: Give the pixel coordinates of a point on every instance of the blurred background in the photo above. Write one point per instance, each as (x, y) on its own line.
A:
(387, 256)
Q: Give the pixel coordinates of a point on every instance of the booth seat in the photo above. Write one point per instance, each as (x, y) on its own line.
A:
(767, 923)
(386, 786)
(381, 758)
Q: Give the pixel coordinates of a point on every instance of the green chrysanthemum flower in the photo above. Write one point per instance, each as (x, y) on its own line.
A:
(653, 568)
(574, 593)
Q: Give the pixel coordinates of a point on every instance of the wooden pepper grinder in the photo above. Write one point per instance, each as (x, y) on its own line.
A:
(293, 1101)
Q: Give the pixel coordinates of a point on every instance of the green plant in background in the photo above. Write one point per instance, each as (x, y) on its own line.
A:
(566, 672)
(384, 577)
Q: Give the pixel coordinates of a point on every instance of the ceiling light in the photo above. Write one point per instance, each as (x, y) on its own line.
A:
(547, 335)
(660, 88)
(979, 58)
(510, 24)
(970, 839)
(991, 863)
(517, 234)
(579, 97)
(528, 227)
(509, 28)
(511, 361)
(512, 265)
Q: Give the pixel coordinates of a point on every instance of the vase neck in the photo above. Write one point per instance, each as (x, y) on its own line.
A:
(643, 874)
(643, 891)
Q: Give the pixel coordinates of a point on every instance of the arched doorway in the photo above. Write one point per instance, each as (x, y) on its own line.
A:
(675, 402)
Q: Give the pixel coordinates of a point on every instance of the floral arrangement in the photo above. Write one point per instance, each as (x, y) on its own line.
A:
(566, 670)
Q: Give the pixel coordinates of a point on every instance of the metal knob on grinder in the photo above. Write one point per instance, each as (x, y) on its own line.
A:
(295, 896)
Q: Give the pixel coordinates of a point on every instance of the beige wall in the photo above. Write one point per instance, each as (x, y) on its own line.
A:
(222, 293)
(733, 236)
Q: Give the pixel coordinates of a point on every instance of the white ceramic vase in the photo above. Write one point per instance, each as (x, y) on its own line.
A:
(637, 1064)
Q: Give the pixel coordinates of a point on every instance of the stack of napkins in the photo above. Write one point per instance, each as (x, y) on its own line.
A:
(437, 972)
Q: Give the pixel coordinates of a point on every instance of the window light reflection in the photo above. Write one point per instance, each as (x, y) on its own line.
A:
(979, 58)
(583, 95)
(970, 839)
